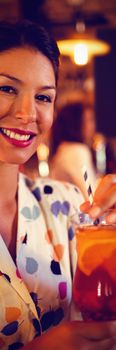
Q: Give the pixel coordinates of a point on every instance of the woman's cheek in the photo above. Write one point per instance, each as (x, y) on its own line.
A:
(47, 122)
(4, 107)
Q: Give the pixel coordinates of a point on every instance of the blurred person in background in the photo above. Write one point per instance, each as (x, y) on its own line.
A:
(71, 142)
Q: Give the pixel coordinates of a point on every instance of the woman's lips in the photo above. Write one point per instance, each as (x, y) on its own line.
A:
(18, 137)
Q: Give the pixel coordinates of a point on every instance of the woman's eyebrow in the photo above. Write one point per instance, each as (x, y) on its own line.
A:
(48, 87)
(10, 77)
(45, 87)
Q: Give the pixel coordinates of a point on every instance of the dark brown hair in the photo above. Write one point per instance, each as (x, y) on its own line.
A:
(26, 33)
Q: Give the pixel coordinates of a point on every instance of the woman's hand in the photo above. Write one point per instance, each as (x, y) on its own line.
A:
(77, 335)
(103, 199)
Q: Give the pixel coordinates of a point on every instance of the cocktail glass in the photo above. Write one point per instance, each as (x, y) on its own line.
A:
(94, 286)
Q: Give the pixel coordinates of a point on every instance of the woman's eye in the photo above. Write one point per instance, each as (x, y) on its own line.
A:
(7, 89)
(43, 98)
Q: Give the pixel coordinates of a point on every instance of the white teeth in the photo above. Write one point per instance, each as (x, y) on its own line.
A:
(15, 136)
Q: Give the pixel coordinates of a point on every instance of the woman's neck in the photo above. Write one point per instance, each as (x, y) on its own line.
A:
(8, 183)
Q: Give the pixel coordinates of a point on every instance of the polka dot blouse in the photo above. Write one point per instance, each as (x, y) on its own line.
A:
(36, 291)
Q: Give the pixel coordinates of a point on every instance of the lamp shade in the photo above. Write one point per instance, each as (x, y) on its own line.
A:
(91, 47)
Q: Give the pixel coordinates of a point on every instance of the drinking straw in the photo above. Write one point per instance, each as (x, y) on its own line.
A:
(87, 184)
(89, 189)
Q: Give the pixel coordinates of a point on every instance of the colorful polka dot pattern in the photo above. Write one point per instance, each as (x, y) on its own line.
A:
(45, 243)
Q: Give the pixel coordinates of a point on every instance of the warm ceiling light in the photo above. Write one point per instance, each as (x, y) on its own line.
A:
(81, 56)
(42, 151)
(82, 50)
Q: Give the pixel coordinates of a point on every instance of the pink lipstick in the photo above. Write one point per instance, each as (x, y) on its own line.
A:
(17, 137)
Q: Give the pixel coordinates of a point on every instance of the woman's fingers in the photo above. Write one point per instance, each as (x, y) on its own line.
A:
(105, 194)
(102, 203)
(95, 330)
(106, 344)
(105, 183)
(103, 199)
(77, 335)
(85, 207)
(84, 344)
(111, 218)
(94, 335)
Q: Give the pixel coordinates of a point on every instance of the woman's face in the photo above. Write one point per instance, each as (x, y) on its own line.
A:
(27, 95)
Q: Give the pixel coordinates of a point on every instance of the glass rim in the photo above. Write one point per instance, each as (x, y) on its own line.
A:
(84, 219)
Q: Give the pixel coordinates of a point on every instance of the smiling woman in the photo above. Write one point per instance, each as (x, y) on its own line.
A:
(37, 242)
(26, 100)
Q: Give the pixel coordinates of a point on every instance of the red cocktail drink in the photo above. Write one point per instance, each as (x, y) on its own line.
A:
(94, 288)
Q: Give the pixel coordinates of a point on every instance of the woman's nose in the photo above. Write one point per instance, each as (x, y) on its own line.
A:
(25, 109)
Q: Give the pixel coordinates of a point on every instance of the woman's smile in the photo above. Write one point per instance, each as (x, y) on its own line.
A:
(19, 138)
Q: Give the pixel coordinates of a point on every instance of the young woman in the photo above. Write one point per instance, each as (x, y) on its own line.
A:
(37, 243)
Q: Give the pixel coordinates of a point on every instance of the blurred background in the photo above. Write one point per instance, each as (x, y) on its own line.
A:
(90, 77)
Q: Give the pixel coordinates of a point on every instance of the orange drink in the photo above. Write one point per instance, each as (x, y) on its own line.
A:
(94, 287)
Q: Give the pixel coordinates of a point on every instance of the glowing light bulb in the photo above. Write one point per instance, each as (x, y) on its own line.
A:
(43, 168)
(81, 56)
(43, 151)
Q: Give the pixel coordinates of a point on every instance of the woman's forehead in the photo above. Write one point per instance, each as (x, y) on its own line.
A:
(25, 60)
